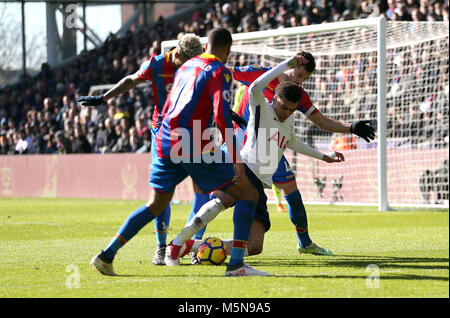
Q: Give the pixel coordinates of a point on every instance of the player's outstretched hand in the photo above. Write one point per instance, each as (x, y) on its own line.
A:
(363, 129)
(334, 157)
(90, 100)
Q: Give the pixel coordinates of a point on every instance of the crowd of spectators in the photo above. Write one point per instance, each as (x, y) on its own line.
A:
(39, 114)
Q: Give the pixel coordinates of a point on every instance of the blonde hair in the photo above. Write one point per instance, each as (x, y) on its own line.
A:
(189, 45)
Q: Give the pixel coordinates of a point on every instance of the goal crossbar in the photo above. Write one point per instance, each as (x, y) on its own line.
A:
(374, 36)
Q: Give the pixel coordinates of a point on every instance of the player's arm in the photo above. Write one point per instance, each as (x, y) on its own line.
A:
(257, 87)
(247, 74)
(124, 85)
(361, 128)
(306, 150)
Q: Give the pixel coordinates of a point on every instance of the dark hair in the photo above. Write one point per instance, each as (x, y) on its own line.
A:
(311, 65)
(219, 38)
(290, 91)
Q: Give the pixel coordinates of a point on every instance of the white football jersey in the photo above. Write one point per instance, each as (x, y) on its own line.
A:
(267, 137)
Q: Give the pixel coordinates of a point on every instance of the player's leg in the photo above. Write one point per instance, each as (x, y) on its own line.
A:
(207, 177)
(243, 218)
(277, 194)
(297, 212)
(200, 199)
(164, 177)
(162, 221)
(298, 217)
(223, 179)
(208, 212)
(132, 225)
(261, 224)
(284, 179)
(221, 202)
(256, 240)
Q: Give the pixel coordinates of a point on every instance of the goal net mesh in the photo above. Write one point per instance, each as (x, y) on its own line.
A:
(344, 87)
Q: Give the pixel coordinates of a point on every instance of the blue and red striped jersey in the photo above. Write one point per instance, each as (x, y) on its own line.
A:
(160, 71)
(248, 74)
(200, 95)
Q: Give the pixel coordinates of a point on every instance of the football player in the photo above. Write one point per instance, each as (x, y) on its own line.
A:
(270, 131)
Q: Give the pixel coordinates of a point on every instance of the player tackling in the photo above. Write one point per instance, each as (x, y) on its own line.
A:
(270, 131)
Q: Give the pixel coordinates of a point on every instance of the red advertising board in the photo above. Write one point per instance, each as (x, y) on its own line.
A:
(125, 176)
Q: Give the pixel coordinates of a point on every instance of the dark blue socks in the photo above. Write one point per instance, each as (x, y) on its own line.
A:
(244, 213)
(297, 214)
(132, 225)
(162, 222)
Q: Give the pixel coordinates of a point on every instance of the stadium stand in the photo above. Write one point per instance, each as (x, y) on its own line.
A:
(39, 114)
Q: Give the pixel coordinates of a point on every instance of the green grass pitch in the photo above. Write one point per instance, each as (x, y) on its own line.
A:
(46, 245)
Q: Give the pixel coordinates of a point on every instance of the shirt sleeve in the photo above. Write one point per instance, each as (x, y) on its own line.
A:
(306, 107)
(145, 71)
(304, 149)
(257, 87)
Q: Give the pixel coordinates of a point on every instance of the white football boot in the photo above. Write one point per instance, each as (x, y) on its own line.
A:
(314, 249)
(243, 270)
(160, 253)
(102, 266)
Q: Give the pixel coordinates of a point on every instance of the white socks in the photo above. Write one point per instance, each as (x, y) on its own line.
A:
(206, 214)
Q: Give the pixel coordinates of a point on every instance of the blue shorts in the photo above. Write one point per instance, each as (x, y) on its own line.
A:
(284, 173)
(165, 175)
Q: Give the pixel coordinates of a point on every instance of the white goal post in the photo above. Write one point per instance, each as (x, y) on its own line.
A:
(392, 73)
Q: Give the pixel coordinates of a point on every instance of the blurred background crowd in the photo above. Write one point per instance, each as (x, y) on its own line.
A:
(39, 114)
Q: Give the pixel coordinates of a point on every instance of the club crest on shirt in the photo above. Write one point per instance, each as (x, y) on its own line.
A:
(227, 77)
(169, 87)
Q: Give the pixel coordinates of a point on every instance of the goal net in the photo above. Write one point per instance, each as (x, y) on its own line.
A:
(407, 163)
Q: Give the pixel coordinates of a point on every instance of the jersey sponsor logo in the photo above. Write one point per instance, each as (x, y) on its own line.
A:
(281, 143)
(243, 68)
(206, 68)
(166, 75)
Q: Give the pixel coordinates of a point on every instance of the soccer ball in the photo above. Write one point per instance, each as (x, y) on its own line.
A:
(212, 251)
